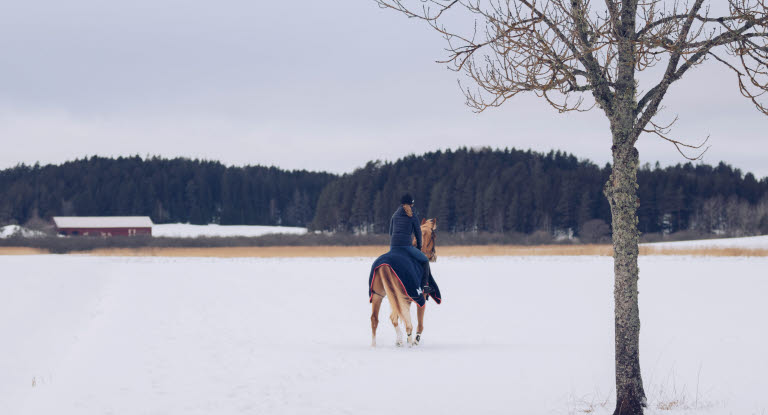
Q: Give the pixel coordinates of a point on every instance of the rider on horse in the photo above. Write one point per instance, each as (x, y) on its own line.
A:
(402, 226)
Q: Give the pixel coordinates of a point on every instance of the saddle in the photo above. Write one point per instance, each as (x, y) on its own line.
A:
(408, 270)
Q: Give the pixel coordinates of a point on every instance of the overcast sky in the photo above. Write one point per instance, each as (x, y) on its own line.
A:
(298, 84)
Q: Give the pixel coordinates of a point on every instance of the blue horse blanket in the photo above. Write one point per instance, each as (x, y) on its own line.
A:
(408, 271)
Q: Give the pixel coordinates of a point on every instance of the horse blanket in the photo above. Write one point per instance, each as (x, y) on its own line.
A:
(408, 271)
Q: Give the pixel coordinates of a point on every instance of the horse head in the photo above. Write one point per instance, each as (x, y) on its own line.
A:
(428, 236)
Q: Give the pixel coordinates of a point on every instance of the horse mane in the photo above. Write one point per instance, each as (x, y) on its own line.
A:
(430, 224)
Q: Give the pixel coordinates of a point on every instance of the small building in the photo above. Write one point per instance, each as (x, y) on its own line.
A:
(103, 225)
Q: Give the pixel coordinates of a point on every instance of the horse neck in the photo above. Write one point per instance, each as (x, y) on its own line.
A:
(424, 243)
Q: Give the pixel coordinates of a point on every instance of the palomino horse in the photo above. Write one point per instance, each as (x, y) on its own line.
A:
(386, 284)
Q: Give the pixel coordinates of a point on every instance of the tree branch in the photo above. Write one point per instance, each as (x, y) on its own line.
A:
(663, 131)
(653, 98)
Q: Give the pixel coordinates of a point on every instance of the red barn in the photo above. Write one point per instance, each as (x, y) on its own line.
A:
(103, 225)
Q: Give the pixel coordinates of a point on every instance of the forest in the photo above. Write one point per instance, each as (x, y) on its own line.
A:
(496, 191)
(468, 190)
(169, 191)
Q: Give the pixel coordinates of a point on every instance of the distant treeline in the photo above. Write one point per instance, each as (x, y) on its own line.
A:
(485, 191)
(177, 190)
(523, 191)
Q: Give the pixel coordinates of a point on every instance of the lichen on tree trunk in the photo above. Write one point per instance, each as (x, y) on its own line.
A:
(621, 191)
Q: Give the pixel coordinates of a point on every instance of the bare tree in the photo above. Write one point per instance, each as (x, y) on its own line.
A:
(575, 56)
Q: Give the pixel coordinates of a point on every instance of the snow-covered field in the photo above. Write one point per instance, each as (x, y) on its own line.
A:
(182, 230)
(749, 242)
(14, 230)
(514, 335)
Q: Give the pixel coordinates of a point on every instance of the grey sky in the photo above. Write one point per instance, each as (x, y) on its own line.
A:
(299, 84)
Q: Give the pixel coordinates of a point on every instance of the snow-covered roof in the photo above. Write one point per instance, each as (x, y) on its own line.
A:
(102, 221)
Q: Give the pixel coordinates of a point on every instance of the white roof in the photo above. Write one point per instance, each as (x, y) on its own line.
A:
(102, 221)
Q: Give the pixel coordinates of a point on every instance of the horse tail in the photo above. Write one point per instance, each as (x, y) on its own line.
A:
(392, 289)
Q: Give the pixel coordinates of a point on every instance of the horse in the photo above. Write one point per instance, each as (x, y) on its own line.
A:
(386, 284)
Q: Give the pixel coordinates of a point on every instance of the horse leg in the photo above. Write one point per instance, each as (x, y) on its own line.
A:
(420, 327)
(394, 317)
(375, 317)
(405, 314)
(399, 302)
(378, 297)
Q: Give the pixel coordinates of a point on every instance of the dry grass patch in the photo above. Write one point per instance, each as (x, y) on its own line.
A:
(708, 251)
(248, 251)
(355, 251)
(446, 251)
(519, 250)
(17, 250)
(374, 251)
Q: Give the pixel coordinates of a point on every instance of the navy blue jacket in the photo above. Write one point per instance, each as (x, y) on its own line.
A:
(402, 226)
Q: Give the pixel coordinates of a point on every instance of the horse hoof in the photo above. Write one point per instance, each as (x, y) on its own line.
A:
(417, 340)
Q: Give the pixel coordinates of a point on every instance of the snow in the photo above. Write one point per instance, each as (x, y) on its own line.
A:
(514, 335)
(14, 230)
(181, 230)
(102, 222)
(749, 242)
(178, 230)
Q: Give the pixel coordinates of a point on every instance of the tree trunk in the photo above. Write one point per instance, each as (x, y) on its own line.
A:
(621, 191)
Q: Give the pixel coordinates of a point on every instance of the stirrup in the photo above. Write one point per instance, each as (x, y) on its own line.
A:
(427, 289)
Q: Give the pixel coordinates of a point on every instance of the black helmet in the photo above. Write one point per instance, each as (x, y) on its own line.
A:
(407, 199)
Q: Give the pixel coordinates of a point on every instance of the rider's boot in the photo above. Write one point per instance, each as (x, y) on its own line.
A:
(425, 279)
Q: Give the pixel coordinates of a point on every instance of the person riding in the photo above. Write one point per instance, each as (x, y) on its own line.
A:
(402, 226)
